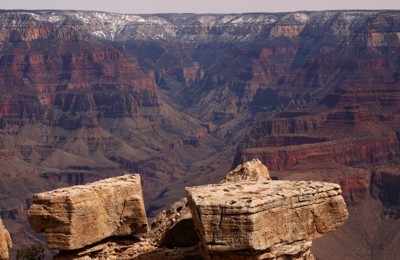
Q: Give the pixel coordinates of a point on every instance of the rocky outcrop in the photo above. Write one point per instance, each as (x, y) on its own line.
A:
(173, 227)
(72, 218)
(263, 220)
(5, 242)
(245, 216)
(252, 170)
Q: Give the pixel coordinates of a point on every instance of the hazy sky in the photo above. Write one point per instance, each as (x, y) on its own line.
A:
(199, 6)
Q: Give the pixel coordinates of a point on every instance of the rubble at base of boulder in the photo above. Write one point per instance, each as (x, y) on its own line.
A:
(130, 248)
(5, 241)
(246, 216)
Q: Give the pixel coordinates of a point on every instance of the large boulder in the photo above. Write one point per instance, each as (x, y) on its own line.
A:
(5, 242)
(262, 220)
(173, 227)
(74, 217)
(247, 216)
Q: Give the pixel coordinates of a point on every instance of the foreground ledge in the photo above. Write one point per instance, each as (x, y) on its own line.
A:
(74, 217)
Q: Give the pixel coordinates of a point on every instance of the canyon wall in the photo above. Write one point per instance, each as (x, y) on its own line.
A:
(91, 95)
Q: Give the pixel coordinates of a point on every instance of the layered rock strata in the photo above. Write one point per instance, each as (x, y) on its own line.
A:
(265, 219)
(246, 216)
(5, 242)
(173, 227)
(74, 217)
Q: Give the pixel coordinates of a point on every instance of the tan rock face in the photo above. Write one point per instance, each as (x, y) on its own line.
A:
(137, 249)
(252, 170)
(74, 217)
(235, 220)
(173, 227)
(5, 242)
(251, 218)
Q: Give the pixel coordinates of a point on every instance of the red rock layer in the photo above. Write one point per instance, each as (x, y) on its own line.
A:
(346, 152)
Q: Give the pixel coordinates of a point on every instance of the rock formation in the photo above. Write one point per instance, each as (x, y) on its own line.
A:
(252, 170)
(173, 227)
(264, 220)
(5, 242)
(247, 216)
(74, 217)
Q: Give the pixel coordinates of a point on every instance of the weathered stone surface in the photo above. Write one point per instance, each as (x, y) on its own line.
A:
(5, 242)
(173, 227)
(74, 217)
(253, 170)
(296, 251)
(256, 218)
(134, 248)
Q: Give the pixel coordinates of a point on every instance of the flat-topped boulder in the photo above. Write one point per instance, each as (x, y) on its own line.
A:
(260, 218)
(77, 216)
(5, 241)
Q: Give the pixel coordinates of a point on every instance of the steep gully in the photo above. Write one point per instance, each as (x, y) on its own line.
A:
(315, 95)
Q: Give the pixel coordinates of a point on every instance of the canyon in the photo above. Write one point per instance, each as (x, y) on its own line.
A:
(183, 98)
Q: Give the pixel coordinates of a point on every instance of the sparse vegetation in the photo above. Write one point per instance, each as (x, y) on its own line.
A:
(33, 252)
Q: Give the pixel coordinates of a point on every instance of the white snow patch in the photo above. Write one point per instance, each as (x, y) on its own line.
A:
(301, 17)
(99, 34)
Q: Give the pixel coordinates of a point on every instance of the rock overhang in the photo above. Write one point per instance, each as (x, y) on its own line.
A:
(257, 216)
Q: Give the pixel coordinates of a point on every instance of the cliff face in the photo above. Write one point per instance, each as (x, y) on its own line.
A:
(89, 95)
